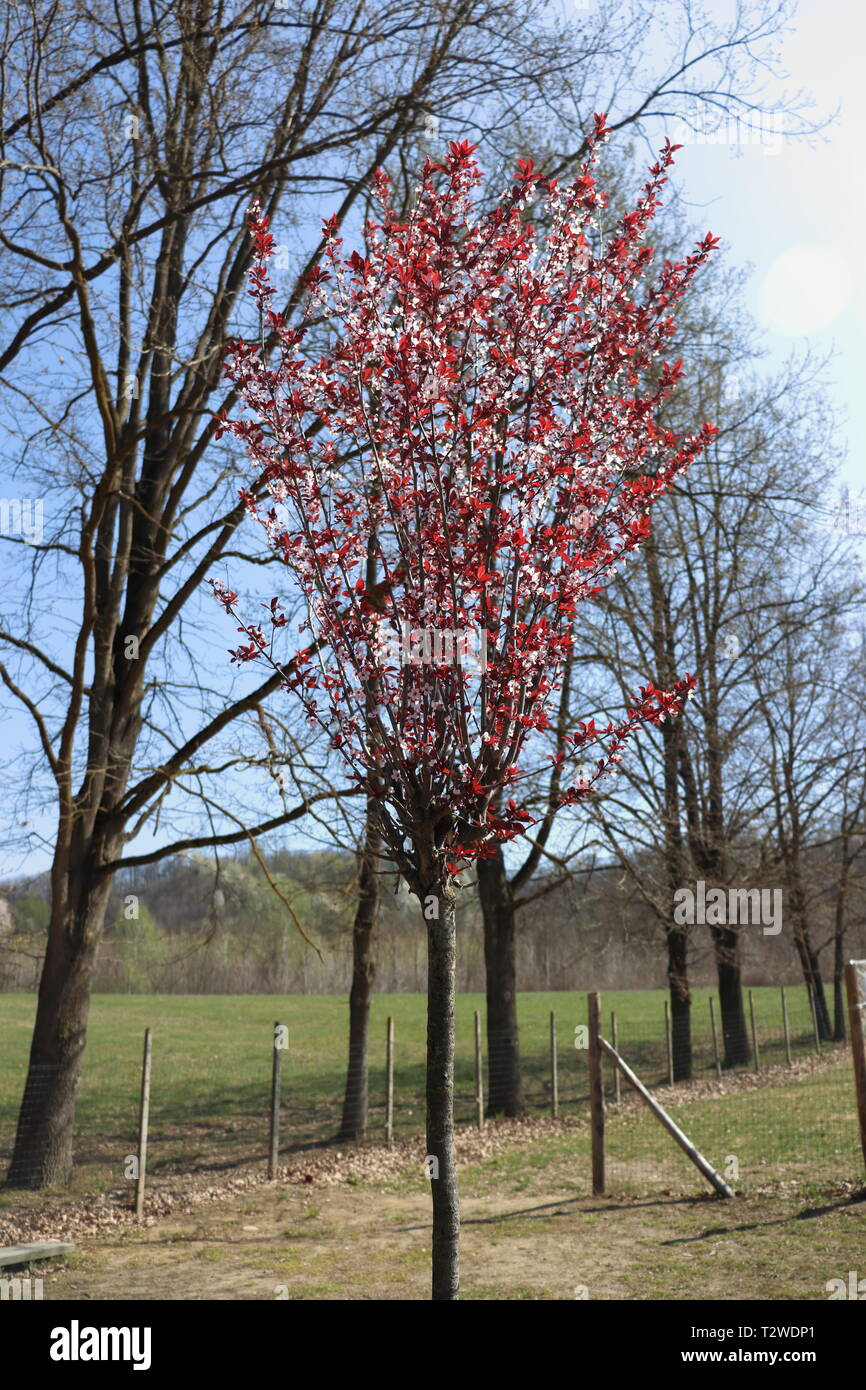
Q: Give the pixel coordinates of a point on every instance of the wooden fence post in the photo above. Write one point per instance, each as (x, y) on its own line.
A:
(596, 1094)
(389, 1083)
(617, 1081)
(754, 1033)
(276, 1089)
(143, 1119)
(855, 981)
(785, 1027)
(554, 1075)
(673, 1130)
(715, 1038)
(479, 1074)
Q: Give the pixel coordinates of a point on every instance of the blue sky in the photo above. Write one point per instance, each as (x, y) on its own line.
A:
(793, 210)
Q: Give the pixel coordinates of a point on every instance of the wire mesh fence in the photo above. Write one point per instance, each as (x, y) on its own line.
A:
(34, 1090)
(780, 1107)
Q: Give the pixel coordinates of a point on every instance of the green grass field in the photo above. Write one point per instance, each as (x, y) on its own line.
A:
(211, 1075)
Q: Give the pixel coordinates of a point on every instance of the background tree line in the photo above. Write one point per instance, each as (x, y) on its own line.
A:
(185, 928)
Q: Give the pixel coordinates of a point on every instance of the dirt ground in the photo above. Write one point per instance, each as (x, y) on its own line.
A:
(300, 1243)
(347, 1224)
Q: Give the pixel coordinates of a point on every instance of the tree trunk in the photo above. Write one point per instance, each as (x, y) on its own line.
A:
(839, 1002)
(708, 839)
(814, 983)
(505, 1086)
(441, 961)
(675, 755)
(43, 1153)
(726, 943)
(675, 857)
(354, 1122)
(839, 1032)
(681, 1003)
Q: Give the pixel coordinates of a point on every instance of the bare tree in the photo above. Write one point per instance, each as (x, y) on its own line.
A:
(812, 755)
(705, 596)
(504, 888)
(134, 137)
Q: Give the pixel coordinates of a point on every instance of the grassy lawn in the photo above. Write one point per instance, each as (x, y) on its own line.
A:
(211, 1073)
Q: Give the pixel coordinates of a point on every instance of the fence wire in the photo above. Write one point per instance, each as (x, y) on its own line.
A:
(783, 1113)
(779, 1108)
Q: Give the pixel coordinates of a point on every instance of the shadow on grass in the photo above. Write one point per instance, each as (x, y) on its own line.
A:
(807, 1214)
(575, 1206)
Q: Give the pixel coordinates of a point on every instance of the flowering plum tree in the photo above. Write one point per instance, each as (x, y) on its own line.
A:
(472, 453)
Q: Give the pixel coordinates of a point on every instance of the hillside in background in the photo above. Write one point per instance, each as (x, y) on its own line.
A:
(185, 926)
